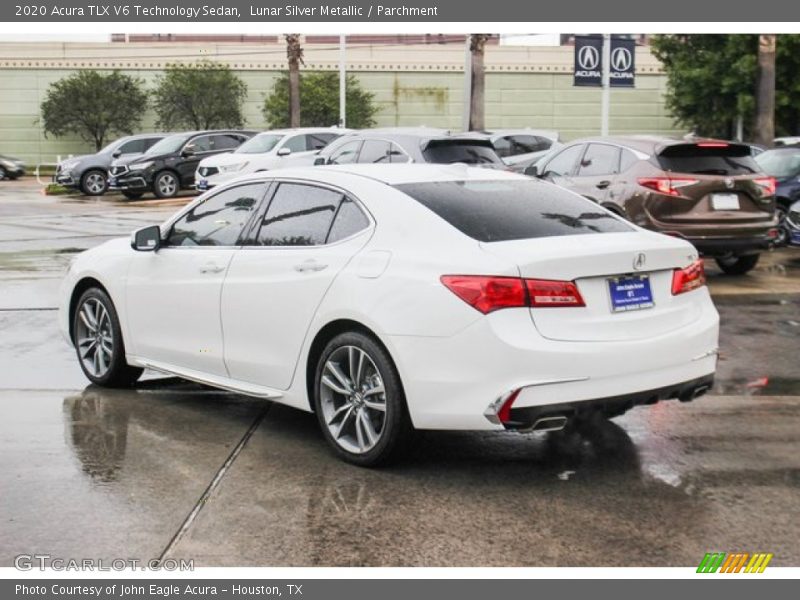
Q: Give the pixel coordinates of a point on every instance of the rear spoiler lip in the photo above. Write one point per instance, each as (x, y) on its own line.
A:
(663, 149)
(456, 140)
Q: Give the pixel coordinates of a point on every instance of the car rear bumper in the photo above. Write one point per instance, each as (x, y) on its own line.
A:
(727, 246)
(456, 382)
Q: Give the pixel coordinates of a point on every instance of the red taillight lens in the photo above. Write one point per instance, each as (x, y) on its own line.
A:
(669, 186)
(487, 293)
(767, 185)
(689, 278)
(545, 292)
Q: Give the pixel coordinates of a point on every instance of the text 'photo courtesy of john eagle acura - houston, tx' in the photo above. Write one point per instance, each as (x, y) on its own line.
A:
(388, 298)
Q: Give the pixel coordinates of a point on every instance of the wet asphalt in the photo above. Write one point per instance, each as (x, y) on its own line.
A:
(173, 469)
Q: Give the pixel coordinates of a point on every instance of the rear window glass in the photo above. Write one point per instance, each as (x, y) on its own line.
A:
(499, 211)
(460, 152)
(730, 159)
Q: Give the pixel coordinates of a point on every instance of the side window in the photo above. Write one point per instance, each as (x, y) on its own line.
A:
(542, 143)
(627, 160)
(345, 155)
(503, 146)
(296, 143)
(349, 221)
(600, 159)
(317, 141)
(298, 215)
(398, 155)
(150, 142)
(199, 144)
(219, 220)
(133, 147)
(524, 144)
(563, 162)
(225, 142)
(374, 151)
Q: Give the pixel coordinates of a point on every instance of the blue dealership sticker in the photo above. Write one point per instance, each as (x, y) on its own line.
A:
(631, 292)
(795, 237)
(202, 185)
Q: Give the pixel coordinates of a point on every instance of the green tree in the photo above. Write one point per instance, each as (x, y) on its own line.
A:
(94, 106)
(204, 95)
(319, 99)
(711, 82)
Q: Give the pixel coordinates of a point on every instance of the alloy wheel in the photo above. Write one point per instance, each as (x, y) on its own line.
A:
(353, 399)
(95, 184)
(167, 184)
(94, 337)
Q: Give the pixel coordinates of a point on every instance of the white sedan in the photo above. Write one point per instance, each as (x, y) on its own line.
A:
(387, 298)
(275, 149)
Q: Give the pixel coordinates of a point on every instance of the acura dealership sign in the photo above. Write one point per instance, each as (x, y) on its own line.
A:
(589, 61)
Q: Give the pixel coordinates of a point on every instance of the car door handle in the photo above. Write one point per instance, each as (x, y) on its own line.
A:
(211, 267)
(310, 266)
(603, 185)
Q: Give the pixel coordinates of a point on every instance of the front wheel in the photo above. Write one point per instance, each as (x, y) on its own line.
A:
(166, 185)
(359, 400)
(94, 183)
(738, 265)
(98, 341)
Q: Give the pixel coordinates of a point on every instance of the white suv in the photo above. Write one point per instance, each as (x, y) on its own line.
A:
(269, 150)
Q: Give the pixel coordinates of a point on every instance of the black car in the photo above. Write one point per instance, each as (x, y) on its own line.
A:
(11, 168)
(169, 165)
(783, 163)
(409, 145)
(89, 173)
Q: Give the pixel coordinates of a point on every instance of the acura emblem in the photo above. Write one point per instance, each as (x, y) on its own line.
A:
(621, 59)
(729, 183)
(588, 58)
(640, 261)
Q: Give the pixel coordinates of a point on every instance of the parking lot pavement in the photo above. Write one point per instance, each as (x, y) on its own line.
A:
(175, 469)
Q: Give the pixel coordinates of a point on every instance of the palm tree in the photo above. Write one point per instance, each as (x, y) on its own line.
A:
(765, 90)
(477, 45)
(294, 52)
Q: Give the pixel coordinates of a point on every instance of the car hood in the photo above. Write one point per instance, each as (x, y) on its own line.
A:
(228, 158)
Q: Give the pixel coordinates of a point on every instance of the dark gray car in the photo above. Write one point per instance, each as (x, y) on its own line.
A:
(89, 172)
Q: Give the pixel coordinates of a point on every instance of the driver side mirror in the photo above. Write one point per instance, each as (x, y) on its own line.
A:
(187, 152)
(146, 239)
(116, 154)
(532, 171)
(320, 160)
(284, 151)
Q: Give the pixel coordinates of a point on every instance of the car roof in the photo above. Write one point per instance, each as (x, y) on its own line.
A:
(494, 133)
(393, 174)
(289, 130)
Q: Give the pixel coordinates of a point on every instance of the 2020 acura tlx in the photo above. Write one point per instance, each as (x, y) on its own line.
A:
(386, 298)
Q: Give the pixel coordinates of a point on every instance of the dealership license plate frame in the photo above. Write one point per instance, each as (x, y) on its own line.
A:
(620, 299)
(202, 185)
(725, 202)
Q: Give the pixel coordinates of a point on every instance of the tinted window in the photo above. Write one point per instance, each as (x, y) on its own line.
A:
(447, 152)
(225, 142)
(317, 141)
(345, 155)
(133, 147)
(296, 143)
(298, 215)
(627, 160)
(374, 151)
(349, 220)
(199, 144)
(512, 145)
(600, 159)
(219, 220)
(169, 144)
(261, 143)
(563, 162)
(496, 211)
(712, 159)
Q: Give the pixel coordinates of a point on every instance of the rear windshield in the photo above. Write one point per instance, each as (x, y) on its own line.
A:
(728, 159)
(450, 151)
(499, 211)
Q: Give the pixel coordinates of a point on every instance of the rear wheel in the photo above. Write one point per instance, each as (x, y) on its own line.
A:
(94, 183)
(98, 341)
(738, 265)
(166, 184)
(359, 400)
(132, 195)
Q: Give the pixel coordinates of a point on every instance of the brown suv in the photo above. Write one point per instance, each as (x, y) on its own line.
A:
(710, 192)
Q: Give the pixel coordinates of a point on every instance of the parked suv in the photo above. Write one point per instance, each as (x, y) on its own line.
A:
(517, 147)
(170, 165)
(89, 172)
(784, 165)
(269, 150)
(400, 145)
(709, 192)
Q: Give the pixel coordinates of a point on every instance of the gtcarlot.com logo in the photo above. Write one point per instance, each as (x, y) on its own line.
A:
(734, 562)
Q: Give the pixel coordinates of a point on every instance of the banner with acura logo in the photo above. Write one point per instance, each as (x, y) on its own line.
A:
(589, 61)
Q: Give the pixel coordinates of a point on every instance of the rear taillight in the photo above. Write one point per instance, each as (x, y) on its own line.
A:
(689, 278)
(546, 292)
(767, 185)
(669, 186)
(488, 293)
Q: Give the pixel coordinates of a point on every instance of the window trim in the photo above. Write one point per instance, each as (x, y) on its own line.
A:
(573, 169)
(358, 141)
(255, 227)
(616, 170)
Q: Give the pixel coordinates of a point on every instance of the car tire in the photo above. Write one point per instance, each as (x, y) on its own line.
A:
(738, 265)
(98, 342)
(365, 421)
(781, 210)
(94, 183)
(132, 195)
(166, 185)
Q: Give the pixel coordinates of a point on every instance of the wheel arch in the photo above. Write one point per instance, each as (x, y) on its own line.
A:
(81, 286)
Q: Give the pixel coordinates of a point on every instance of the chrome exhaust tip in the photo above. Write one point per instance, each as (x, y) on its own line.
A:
(554, 423)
